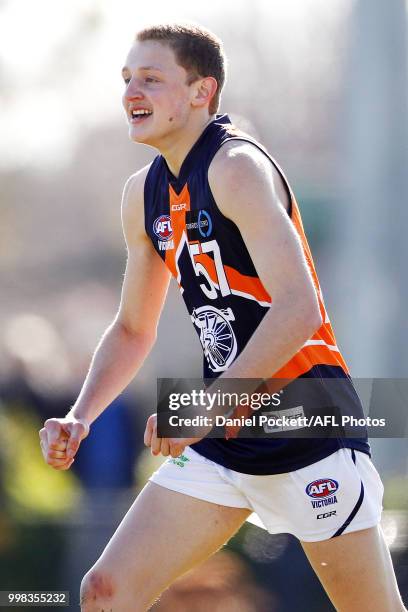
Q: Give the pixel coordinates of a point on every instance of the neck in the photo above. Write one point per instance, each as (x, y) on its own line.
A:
(176, 151)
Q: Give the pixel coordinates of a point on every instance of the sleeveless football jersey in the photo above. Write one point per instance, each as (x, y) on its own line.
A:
(226, 299)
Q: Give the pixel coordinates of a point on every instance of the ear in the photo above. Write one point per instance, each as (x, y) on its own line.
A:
(204, 91)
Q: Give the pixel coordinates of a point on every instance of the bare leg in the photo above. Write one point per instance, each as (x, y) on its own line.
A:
(163, 535)
(356, 571)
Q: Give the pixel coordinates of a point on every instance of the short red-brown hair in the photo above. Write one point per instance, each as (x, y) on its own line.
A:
(196, 49)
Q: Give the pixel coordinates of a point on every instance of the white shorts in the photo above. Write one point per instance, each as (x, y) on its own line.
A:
(338, 494)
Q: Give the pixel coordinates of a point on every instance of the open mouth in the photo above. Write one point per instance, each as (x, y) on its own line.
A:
(139, 115)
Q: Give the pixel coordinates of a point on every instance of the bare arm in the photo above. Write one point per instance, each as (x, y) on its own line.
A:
(129, 339)
(126, 342)
(249, 191)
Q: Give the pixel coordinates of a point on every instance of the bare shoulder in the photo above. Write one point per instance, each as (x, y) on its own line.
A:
(133, 192)
(133, 205)
(240, 167)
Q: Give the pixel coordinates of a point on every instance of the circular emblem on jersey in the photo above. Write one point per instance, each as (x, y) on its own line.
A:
(322, 488)
(162, 228)
(204, 223)
(216, 336)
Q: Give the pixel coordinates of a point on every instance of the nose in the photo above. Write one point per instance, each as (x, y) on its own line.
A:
(133, 90)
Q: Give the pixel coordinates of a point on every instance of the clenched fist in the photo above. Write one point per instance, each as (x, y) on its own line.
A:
(60, 440)
(167, 446)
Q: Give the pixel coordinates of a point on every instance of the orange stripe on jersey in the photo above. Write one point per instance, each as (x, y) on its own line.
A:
(321, 348)
(179, 205)
(308, 357)
(247, 284)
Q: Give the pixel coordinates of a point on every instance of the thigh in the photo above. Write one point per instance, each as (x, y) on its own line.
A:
(356, 571)
(164, 534)
(338, 494)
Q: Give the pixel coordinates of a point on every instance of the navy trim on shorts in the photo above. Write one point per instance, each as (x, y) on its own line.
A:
(356, 507)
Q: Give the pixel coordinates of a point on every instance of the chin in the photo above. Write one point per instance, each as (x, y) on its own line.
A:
(148, 138)
(138, 138)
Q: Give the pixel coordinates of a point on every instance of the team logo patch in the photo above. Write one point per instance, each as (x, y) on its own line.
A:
(162, 228)
(323, 492)
(199, 224)
(216, 336)
(204, 223)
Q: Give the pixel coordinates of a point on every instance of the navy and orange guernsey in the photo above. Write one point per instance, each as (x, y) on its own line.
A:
(226, 299)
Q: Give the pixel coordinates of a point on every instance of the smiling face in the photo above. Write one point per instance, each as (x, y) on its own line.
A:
(158, 99)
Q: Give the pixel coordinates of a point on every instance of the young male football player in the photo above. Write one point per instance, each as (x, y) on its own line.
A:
(215, 211)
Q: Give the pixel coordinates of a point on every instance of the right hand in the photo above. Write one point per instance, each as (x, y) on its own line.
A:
(60, 440)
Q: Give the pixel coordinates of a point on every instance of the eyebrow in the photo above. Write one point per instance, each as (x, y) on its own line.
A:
(126, 69)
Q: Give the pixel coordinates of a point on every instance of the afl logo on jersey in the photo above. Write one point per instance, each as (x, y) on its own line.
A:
(162, 228)
(322, 488)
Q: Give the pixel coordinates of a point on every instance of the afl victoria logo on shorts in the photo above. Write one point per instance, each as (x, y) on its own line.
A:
(322, 492)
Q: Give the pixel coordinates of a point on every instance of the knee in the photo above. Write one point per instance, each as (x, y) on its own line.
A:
(97, 590)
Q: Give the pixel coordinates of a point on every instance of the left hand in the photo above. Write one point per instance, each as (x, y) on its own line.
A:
(165, 446)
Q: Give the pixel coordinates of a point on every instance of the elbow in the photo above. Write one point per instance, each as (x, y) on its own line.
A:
(145, 337)
(311, 319)
(303, 311)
